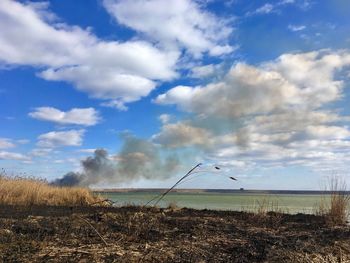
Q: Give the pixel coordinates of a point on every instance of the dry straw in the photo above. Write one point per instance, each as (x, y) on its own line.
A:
(335, 207)
(31, 191)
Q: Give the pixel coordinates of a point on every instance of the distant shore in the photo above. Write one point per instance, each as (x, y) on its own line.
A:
(232, 191)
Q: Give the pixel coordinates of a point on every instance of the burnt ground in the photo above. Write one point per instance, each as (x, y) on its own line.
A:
(136, 234)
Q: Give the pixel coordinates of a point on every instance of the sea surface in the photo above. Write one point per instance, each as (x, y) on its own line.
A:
(288, 203)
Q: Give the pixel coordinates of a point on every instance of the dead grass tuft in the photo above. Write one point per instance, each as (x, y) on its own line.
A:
(335, 208)
(31, 191)
(262, 207)
(266, 211)
(172, 206)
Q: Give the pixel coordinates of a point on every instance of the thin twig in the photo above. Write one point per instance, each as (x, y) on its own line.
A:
(104, 241)
(161, 196)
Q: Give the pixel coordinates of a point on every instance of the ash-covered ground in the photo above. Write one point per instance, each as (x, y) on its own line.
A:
(136, 234)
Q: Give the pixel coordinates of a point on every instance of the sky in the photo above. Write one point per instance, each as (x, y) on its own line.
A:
(258, 88)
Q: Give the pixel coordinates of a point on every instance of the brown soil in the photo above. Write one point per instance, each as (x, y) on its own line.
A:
(136, 234)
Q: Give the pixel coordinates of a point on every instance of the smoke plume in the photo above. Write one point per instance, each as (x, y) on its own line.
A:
(137, 159)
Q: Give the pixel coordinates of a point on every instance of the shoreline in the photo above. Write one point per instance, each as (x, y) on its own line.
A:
(218, 191)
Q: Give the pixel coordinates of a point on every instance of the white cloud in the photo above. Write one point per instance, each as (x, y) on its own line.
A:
(265, 9)
(304, 81)
(244, 90)
(13, 156)
(203, 71)
(41, 152)
(116, 104)
(328, 132)
(275, 7)
(207, 71)
(296, 28)
(174, 23)
(181, 135)
(23, 141)
(180, 95)
(86, 150)
(102, 84)
(262, 10)
(85, 116)
(164, 118)
(103, 69)
(270, 115)
(6, 143)
(61, 138)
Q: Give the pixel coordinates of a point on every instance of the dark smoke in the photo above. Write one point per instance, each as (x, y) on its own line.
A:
(69, 179)
(137, 159)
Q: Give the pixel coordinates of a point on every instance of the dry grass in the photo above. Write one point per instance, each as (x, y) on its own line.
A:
(172, 206)
(266, 211)
(335, 208)
(29, 191)
(262, 207)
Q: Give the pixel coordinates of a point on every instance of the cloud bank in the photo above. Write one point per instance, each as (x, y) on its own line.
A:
(108, 70)
(113, 71)
(175, 24)
(268, 115)
(61, 138)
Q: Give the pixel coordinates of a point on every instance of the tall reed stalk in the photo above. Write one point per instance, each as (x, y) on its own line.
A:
(336, 207)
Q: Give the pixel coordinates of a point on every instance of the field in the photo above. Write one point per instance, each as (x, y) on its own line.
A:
(136, 234)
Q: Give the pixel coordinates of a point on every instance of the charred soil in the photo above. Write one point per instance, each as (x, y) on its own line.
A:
(140, 234)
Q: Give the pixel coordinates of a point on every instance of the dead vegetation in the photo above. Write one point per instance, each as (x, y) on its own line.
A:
(266, 211)
(31, 191)
(150, 234)
(336, 206)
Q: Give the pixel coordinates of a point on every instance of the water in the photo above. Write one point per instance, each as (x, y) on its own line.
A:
(289, 203)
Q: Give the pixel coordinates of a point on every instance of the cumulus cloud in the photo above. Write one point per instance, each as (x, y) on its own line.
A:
(61, 138)
(269, 115)
(6, 143)
(327, 132)
(296, 120)
(207, 71)
(289, 139)
(244, 90)
(296, 28)
(164, 118)
(104, 69)
(181, 135)
(174, 24)
(4, 155)
(85, 116)
(40, 152)
(305, 80)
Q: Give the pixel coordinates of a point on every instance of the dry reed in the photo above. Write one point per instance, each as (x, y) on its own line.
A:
(335, 208)
(31, 191)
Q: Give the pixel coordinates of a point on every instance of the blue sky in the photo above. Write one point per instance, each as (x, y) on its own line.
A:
(260, 88)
